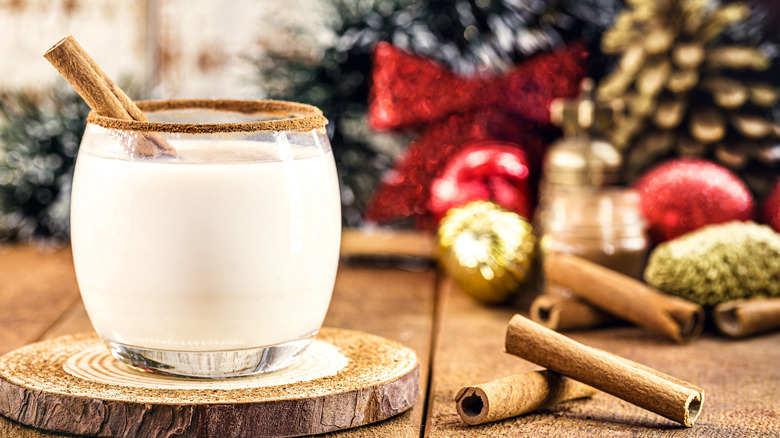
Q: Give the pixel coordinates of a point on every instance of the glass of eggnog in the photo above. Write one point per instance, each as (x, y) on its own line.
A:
(206, 240)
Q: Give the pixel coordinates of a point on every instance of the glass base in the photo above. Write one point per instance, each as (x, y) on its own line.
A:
(210, 364)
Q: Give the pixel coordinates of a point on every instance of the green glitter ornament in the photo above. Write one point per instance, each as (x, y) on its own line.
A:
(718, 263)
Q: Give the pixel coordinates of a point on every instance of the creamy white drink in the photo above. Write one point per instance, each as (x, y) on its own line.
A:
(231, 245)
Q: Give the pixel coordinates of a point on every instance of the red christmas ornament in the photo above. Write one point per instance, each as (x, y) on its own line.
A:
(409, 90)
(770, 214)
(486, 171)
(405, 190)
(683, 195)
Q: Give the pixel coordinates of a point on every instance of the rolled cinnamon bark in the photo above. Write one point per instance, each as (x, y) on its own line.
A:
(625, 297)
(101, 93)
(635, 383)
(561, 313)
(67, 56)
(515, 395)
(740, 318)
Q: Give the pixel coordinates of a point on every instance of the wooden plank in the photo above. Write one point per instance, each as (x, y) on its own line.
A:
(388, 302)
(37, 286)
(395, 304)
(469, 350)
(389, 243)
(73, 320)
(742, 396)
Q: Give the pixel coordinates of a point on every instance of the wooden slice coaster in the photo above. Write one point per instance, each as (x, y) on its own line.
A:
(72, 384)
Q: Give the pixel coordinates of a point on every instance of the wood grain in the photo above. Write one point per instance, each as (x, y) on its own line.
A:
(73, 320)
(36, 286)
(469, 349)
(378, 379)
(393, 303)
(396, 304)
(743, 397)
(387, 243)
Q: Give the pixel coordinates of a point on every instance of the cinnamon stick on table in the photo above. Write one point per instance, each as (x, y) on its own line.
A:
(635, 383)
(516, 395)
(747, 317)
(562, 313)
(101, 93)
(625, 297)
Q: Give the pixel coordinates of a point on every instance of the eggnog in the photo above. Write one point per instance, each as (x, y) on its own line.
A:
(231, 245)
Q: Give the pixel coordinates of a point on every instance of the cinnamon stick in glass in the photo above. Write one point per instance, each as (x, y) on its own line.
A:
(635, 383)
(562, 313)
(625, 297)
(515, 395)
(101, 93)
(740, 318)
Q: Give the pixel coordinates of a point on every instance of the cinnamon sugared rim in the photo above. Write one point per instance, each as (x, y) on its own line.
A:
(292, 116)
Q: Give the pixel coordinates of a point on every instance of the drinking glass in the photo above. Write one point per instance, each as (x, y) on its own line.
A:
(206, 240)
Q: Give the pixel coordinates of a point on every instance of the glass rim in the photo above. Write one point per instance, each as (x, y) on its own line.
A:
(289, 116)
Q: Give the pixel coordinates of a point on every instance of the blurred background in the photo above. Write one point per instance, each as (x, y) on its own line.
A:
(153, 49)
(392, 125)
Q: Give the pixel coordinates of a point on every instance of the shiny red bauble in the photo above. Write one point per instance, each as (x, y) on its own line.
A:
(685, 194)
(487, 170)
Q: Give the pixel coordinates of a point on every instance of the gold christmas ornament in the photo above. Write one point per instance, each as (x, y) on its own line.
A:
(718, 263)
(686, 94)
(486, 250)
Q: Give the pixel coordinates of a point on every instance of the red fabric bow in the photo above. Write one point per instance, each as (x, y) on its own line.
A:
(410, 90)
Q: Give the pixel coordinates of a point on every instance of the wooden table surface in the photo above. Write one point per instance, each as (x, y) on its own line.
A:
(460, 342)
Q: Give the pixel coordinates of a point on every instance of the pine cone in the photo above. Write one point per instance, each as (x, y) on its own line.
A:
(718, 263)
(687, 94)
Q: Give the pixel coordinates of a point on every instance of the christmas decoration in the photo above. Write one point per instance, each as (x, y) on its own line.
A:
(469, 38)
(39, 139)
(495, 171)
(411, 90)
(486, 250)
(771, 212)
(693, 88)
(718, 263)
(425, 158)
(685, 194)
